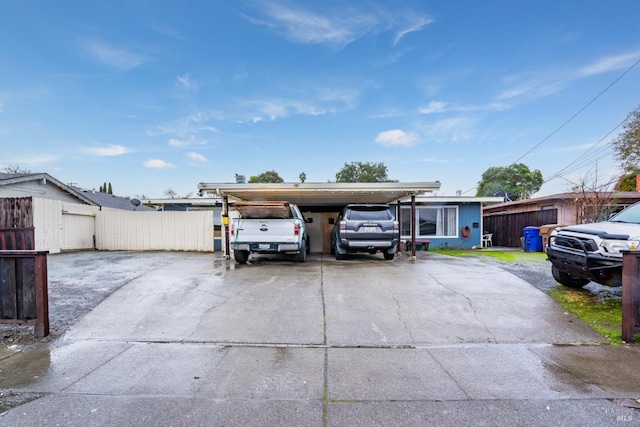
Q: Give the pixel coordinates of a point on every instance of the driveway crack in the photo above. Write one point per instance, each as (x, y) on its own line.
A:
(402, 320)
(473, 309)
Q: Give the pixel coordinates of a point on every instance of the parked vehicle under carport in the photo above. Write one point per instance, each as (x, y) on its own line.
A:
(365, 228)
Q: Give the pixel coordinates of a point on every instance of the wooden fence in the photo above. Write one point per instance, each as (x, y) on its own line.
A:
(16, 212)
(24, 298)
(17, 239)
(508, 228)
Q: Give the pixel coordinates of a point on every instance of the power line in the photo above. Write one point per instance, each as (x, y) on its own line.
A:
(579, 111)
(602, 152)
(573, 117)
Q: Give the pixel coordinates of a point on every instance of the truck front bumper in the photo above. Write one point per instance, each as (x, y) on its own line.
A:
(588, 265)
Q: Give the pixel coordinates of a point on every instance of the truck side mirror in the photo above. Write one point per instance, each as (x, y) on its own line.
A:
(332, 221)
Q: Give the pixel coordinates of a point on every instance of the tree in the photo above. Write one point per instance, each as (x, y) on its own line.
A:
(363, 172)
(515, 182)
(110, 190)
(303, 177)
(266, 177)
(170, 193)
(627, 144)
(592, 198)
(104, 187)
(627, 181)
(15, 169)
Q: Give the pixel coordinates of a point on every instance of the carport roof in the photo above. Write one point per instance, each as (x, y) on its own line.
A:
(321, 194)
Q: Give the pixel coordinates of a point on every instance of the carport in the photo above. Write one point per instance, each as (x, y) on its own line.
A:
(319, 201)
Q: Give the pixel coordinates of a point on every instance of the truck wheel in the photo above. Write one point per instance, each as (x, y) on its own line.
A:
(567, 279)
(338, 255)
(241, 256)
(302, 255)
(387, 255)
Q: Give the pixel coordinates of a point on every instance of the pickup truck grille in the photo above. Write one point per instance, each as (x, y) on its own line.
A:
(575, 243)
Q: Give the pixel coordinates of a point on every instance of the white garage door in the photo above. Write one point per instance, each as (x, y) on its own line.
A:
(78, 231)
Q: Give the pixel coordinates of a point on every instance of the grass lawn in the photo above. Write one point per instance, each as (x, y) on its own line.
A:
(605, 317)
(506, 256)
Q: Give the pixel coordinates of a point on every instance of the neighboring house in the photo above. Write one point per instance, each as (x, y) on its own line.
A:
(41, 185)
(507, 220)
(107, 200)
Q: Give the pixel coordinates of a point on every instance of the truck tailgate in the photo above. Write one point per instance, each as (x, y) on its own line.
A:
(264, 230)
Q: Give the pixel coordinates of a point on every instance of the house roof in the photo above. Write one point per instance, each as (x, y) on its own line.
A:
(16, 178)
(458, 199)
(111, 201)
(321, 194)
(629, 196)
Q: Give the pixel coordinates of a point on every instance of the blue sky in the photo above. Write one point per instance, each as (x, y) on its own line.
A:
(157, 95)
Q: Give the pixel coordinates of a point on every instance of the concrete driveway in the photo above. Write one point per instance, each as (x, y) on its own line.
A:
(198, 340)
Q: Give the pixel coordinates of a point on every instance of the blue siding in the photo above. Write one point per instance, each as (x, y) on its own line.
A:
(469, 213)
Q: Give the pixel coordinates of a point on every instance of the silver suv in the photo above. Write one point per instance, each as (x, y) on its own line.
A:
(365, 228)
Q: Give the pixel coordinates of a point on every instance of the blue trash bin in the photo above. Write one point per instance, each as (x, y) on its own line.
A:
(532, 239)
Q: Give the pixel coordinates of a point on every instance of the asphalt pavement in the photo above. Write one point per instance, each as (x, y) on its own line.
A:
(198, 340)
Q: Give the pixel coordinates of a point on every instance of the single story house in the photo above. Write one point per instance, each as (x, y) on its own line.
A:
(446, 222)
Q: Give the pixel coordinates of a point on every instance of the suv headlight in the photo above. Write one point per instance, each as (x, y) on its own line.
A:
(616, 246)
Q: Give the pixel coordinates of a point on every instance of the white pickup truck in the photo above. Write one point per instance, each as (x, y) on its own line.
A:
(592, 252)
(268, 228)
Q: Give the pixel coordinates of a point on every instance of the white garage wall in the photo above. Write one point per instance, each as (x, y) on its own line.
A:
(70, 226)
(62, 225)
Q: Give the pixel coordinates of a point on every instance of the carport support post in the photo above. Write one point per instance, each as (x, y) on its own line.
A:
(630, 295)
(413, 227)
(225, 223)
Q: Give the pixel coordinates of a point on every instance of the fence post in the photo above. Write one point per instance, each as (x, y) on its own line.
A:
(630, 295)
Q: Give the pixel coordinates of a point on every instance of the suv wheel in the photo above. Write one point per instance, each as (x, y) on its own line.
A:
(387, 255)
(567, 279)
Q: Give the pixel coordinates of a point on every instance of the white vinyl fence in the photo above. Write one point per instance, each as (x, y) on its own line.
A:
(68, 226)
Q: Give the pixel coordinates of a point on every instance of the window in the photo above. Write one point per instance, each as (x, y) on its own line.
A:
(437, 221)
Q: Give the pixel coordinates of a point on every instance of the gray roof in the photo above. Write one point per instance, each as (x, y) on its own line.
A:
(88, 196)
(111, 201)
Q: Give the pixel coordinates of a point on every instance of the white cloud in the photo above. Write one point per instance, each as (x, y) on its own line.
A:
(452, 129)
(413, 23)
(434, 107)
(34, 160)
(108, 151)
(113, 56)
(158, 164)
(184, 81)
(178, 143)
(431, 160)
(397, 137)
(196, 157)
(338, 26)
(187, 125)
(611, 63)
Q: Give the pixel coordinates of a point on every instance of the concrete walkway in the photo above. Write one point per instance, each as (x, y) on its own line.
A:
(361, 342)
